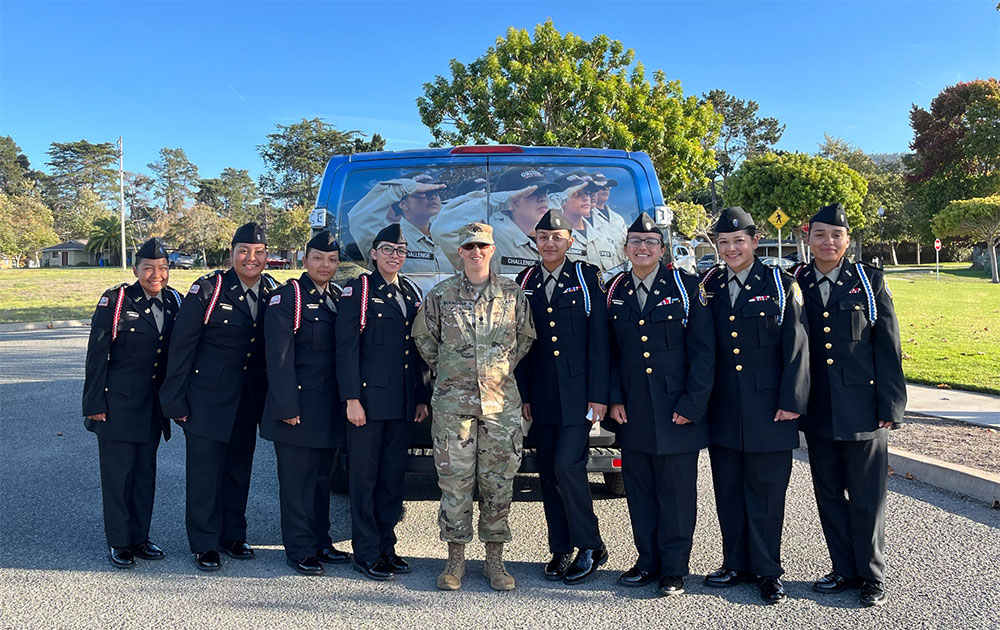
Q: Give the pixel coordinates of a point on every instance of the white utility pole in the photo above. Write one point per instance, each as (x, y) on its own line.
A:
(121, 192)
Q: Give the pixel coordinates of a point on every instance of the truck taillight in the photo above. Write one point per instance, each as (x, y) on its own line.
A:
(616, 463)
(487, 148)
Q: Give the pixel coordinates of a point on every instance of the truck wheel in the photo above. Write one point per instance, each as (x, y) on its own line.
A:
(339, 476)
(614, 483)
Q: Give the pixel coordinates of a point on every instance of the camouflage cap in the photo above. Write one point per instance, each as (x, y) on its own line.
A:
(475, 233)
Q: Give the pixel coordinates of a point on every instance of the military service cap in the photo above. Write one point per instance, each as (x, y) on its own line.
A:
(475, 233)
(468, 185)
(734, 219)
(324, 242)
(520, 177)
(572, 182)
(553, 220)
(250, 233)
(391, 233)
(644, 224)
(153, 248)
(601, 181)
(833, 214)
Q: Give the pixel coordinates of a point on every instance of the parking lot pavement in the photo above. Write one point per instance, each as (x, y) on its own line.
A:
(943, 551)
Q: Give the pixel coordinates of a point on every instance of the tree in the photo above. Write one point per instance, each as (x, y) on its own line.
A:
(296, 156)
(78, 166)
(978, 218)
(798, 184)
(233, 194)
(25, 224)
(692, 220)
(743, 134)
(15, 170)
(77, 220)
(142, 211)
(175, 177)
(199, 229)
(561, 90)
(106, 237)
(290, 230)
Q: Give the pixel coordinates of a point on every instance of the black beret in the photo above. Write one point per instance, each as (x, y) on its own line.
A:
(644, 224)
(833, 214)
(324, 242)
(391, 233)
(249, 233)
(733, 219)
(153, 248)
(553, 220)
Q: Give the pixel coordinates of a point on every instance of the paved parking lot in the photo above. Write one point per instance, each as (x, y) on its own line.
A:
(943, 550)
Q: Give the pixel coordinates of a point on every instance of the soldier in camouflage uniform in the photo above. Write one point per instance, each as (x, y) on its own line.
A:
(472, 330)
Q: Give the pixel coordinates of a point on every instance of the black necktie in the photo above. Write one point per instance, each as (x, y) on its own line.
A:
(548, 287)
(251, 295)
(641, 292)
(156, 302)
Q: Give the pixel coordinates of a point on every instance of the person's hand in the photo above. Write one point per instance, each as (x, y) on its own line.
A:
(883, 424)
(526, 412)
(423, 188)
(618, 414)
(181, 419)
(785, 415)
(422, 412)
(355, 412)
(98, 417)
(524, 192)
(292, 421)
(598, 410)
(679, 419)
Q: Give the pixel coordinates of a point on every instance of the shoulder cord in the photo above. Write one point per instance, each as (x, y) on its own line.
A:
(684, 296)
(583, 287)
(118, 312)
(614, 285)
(215, 297)
(781, 295)
(872, 309)
(364, 301)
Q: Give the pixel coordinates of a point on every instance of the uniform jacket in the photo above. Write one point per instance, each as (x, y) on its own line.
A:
(660, 366)
(762, 360)
(124, 376)
(857, 372)
(473, 343)
(567, 365)
(300, 368)
(380, 366)
(210, 362)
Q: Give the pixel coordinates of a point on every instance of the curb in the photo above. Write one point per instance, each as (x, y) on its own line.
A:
(63, 323)
(971, 482)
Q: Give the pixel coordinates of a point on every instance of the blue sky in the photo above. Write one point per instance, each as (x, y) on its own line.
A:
(215, 78)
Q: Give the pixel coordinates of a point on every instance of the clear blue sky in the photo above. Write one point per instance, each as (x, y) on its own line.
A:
(215, 78)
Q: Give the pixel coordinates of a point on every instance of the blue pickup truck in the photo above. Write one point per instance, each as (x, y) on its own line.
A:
(432, 192)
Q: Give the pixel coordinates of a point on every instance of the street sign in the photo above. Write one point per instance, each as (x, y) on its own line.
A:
(937, 258)
(937, 244)
(778, 219)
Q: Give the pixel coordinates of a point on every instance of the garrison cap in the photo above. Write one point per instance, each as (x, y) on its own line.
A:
(832, 214)
(520, 177)
(468, 185)
(554, 220)
(572, 182)
(475, 233)
(733, 219)
(391, 233)
(324, 242)
(644, 224)
(250, 233)
(153, 248)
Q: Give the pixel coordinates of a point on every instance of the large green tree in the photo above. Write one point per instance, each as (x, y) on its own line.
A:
(25, 224)
(296, 155)
(77, 220)
(15, 169)
(290, 229)
(978, 218)
(106, 237)
(198, 228)
(175, 177)
(77, 166)
(559, 90)
(233, 194)
(798, 184)
(693, 221)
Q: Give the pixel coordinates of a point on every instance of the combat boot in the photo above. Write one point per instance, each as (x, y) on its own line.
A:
(454, 570)
(494, 569)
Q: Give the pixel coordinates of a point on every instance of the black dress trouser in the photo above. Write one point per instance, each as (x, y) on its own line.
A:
(561, 453)
(304, 498)
(376, 459)
(128, 483)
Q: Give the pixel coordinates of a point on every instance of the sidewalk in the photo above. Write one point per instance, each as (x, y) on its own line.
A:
(953, 404)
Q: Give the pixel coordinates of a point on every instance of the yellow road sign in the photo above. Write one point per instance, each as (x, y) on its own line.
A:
(778, 219)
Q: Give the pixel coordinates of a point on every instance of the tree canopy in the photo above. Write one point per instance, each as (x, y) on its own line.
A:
(692, 220)
(290, 230)
(77, 220)
(559, 90)
(978, 218)
(199, 228)
(80, 166)
(25, 224)
(743, 134)
(174, 177)
(15, 169)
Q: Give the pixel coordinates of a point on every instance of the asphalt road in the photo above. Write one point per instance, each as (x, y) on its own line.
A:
(943, 550)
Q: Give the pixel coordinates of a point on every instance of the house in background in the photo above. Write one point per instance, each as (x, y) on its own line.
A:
(68, 254)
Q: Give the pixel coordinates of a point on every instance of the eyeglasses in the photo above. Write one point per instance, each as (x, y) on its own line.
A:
(471, 246)
(648, 242)
(389, 250)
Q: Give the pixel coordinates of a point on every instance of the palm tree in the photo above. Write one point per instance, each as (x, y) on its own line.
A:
(106, 235)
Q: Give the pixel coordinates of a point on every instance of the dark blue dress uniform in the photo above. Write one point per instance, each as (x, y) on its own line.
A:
(124, 372)
(299, 333)
(378, 364)
(216, 377)
(566, 368)
(761, 366)
(662, 358)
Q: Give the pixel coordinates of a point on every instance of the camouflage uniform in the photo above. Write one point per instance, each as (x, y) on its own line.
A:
(473, 342)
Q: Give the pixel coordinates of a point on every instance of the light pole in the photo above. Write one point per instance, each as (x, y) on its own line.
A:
(121, 192)
(881, 244)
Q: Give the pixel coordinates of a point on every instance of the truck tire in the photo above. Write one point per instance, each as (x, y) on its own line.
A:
(339, 476)
(614, 483)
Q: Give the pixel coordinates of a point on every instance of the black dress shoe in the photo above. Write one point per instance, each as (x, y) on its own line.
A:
(873, 593)
(723, 578)
(772, 590)
(208, 560)
(671, 585)
(147, 551)
(121, 557)
(332, 555)
(585, 564)
(636, 577)
(394, 563)
(307, 566)
(237, 549)
(556, 568)
(834, 582)
(375, 570)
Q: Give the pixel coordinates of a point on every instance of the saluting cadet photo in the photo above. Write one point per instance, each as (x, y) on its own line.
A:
(472, 330)
(381, 379)
(126, 360)
(761, 387)
(563, 382)
(857, 394)
(215, 389)
(662, 367)
(302, 414)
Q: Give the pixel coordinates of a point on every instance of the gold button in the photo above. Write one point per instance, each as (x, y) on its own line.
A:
(739, 368)
(255, 325)
(406, 365)
(154, 377)
(196, 371)
(649, 370)
(829, 361)
(406, 323)
(548, 310)
(555, 338)
(552, 324)
(244, 368)
(670, 316)
(300, 387)
(156, 364)
(734, 334)
(555, 353)
(829, 345)
(406, 352)
(641, 322)
(159, 350)
(364, 384)
(253, 339)
(225, 321)
(106, 389)
(826, 313)
(161, 337)
(736, 350)
(857, 307)
(406, 337)
(732, 318)
(380, 314)
(316, 318)
(762, 313)
(645, 354)
(871, 382)
(826, 329)
(644, 338)
(131, 329)
(249, 353)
